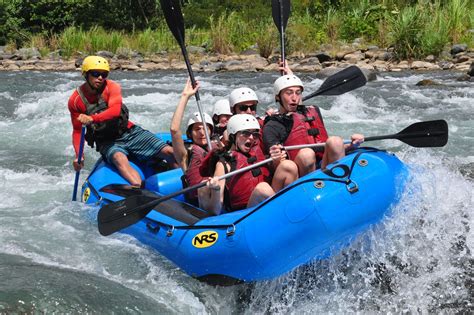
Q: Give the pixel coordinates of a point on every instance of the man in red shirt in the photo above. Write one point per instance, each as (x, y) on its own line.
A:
(97, 103)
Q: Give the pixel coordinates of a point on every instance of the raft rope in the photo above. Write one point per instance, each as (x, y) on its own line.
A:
(232, 227)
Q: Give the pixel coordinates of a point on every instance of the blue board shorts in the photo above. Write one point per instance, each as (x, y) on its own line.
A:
(138, 143)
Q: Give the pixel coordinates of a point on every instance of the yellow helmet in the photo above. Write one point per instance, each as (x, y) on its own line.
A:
(95, 63)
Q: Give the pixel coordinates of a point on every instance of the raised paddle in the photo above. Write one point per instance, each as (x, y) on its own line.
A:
(281, 12)
(174, 19)
(341, 82)
(79, 159)
(120, 214)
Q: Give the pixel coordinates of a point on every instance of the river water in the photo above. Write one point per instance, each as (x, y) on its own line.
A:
(53, 260)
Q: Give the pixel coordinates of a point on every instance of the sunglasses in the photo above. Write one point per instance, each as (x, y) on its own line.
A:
(247, 134)
(97, 74)
(243, 108)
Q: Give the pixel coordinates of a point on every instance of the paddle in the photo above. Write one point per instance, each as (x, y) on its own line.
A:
(281, 12)
(341, 82)
(118, 215)
(81, 150)
(174, 19)
(424, 134)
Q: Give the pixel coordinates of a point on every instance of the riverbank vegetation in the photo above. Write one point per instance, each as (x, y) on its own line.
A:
(414, 28)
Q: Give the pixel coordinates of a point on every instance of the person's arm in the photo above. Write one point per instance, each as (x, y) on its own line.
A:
(211, 197)
(356, 140)
(179, 149)
(273, 133)
(285, 68)
(278, 154)
(112, 94)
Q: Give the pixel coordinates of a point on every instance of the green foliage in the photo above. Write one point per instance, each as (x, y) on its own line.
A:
(361, 20)
(266, 38)
(72, 40)
(460, 14)
(427, 28)
(304, 34)
(152, 41)
(434, 35)
(404, 28)
(11, 24)
(413, 27)
(231, 33)
(332, 24)
(220, 34)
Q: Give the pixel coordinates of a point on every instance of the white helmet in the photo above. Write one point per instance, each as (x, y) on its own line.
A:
(242, 95)
(242, 122)
(286, 81)
(222, 107)
(196, 117)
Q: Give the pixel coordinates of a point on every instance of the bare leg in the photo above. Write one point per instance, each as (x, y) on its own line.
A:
(285, 174)
(167, 154)
(306, 161)
(333, 151)
(120, 161)
(260, 193)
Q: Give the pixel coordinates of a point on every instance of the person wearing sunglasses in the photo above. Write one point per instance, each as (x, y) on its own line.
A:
(97, 103)
(299, 124)
(244, 101)
(252, 187)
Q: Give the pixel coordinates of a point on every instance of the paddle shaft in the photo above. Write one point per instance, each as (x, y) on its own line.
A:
(79, 160)
(282, 35)
(175, 23)
(311, 145)
(403, 136)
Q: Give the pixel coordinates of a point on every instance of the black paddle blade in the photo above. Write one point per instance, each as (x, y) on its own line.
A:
(281, 12)
(425, 134)
(174, 18)
(118, 215)
(341, 82)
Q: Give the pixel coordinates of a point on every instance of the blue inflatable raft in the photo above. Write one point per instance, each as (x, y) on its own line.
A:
(307, 220)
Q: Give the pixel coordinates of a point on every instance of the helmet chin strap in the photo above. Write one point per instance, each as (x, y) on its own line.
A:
(233, 140)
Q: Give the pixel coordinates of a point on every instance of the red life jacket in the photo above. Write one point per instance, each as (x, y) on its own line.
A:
(308, 128)
(196, 155)
(240, 187)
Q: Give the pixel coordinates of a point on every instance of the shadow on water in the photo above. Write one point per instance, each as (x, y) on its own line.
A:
(35, 288)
